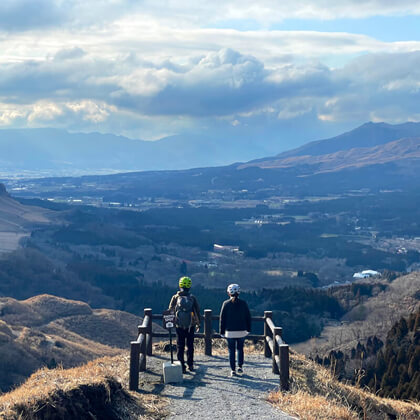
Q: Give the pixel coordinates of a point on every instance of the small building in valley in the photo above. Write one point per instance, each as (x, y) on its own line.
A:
(366, 274)
(227, 249)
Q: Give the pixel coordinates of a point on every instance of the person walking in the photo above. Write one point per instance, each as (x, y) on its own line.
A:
(187, 320)
(235, 325)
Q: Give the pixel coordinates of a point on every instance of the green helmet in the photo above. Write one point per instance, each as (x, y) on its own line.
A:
(185, 282)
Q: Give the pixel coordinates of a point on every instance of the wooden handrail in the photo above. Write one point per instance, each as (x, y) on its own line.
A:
(280, 341)
(274, 345)
(140, 348)
(279, 353)
(270, 323)
(270, 343)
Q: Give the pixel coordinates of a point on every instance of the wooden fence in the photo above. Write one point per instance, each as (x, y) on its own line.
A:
(274, 346)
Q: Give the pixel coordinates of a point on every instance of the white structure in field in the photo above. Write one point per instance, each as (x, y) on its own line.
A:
(366, 274)
(227, 249)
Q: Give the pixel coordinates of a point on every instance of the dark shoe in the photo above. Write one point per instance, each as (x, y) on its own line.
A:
(191, 368)
(184, 369)
(240, 370)
(233, 374)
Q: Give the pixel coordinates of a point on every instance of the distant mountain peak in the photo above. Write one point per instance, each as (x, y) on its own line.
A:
(370, 134)
(393, 151)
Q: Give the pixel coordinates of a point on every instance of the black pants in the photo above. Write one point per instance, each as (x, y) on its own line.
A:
(182, 336)
(236, 344)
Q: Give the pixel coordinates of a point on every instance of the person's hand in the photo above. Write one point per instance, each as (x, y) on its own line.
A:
(197, 328)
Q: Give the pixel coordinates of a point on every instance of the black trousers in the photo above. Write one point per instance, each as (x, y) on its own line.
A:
(236, 344)
(182, 336)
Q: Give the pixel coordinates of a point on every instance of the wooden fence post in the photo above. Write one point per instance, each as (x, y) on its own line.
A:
(267, 333)
(134, 365)
(149, 338)
(276, 352)
(284, 367)
(143, 352)
(207, 331)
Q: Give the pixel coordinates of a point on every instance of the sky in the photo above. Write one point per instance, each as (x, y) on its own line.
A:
(148, 69)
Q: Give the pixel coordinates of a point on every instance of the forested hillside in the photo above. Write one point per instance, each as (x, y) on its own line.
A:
(396, 372)
(390, 369)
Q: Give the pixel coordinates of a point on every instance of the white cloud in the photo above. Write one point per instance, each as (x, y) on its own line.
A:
(44, 112)
(126, 65)
(222, 83)
(95, 112)
(18, 15)
(11, 114)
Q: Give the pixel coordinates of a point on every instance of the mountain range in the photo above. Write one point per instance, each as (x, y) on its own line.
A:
(55, 152)
(373, 157)
(50, 151)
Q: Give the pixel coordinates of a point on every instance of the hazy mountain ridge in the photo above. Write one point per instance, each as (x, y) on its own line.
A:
(50, 151)
(58, 152)
(384, 159)
(391, 152)
(367, 135)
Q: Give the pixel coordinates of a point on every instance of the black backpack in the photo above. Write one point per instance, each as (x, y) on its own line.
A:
(183, 311)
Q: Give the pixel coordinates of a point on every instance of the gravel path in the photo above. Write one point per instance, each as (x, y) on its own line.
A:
(209, 392)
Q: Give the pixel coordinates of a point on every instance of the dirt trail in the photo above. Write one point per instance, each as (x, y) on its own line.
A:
(209, 392)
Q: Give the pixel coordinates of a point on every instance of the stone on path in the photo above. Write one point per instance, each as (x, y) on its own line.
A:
(172, 372)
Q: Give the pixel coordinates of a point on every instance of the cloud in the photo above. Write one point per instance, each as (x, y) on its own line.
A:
(379, 87)
(18, 15)
(69, 54)
(24, 15)
(147, 68)
(219, 84)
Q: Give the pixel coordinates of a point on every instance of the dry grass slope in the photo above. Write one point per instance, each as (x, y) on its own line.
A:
(98, 389)
(91, 391)
(17, 220)
(375, 316)
(315, 394)
(47, 330)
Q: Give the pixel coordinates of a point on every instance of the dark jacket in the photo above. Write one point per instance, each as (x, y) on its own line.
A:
(196, 319)
(234, 316)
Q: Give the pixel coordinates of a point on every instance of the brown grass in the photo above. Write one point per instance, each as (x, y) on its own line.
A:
(316, 394)
(44, 386)
(309, 407)
(382, 311)
(46, 329)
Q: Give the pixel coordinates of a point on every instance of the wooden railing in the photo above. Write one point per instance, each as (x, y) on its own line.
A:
(277, 349)
(274, 346)
(140, 348)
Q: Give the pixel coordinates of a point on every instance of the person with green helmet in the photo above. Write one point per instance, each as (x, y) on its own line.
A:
(187, 321)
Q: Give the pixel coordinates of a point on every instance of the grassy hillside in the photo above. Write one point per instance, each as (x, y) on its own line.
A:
(315, 394)
(95, 391)
(47, 330)
(17, 220)
(100, 389)
(368, 315)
